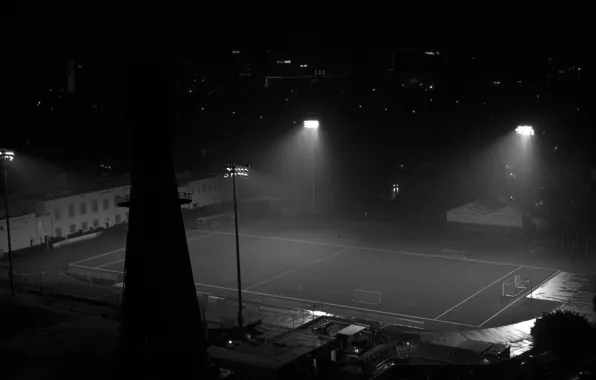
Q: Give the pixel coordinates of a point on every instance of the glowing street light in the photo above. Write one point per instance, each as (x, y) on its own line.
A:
(524, 130)
(5, 157)
(235, 171)
(311, 124)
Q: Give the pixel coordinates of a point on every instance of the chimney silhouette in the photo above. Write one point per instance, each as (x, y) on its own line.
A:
(162, 333)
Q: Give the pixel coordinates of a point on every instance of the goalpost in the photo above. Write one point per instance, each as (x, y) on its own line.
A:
(515, 286)
(367, 296)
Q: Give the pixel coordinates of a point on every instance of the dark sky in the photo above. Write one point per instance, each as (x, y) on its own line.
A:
(37, 63)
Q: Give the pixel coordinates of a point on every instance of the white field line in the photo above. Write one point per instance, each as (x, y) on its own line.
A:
(297, 268)
(122, 249)
(480, 291)
(519, 298)
(378, 312)
(100, 269)
(108, 264)
(94, 257)
(379, 250)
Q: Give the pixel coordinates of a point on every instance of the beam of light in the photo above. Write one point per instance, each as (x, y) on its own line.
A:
(525, 130)
(311, 124)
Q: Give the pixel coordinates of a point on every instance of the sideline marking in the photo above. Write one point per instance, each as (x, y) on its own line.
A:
(520, 297)
(379, 250)
(480, 291)
(378, 312)
(297, 268)
(122, 249)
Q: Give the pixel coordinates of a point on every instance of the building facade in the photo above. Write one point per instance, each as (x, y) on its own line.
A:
(92, 205)
(22, 230)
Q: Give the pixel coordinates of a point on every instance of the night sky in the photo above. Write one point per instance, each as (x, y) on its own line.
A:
(397, 105)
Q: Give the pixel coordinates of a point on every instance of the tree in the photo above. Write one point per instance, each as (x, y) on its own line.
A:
(565, 334)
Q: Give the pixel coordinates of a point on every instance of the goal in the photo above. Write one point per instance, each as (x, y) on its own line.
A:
(515, 286)
(367, 296)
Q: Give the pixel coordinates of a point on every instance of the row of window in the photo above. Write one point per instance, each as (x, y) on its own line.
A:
(85, 226)
(106, 202)
(83, 208)
(206, 188)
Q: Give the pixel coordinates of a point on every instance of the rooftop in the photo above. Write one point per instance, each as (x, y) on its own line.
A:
(99, 185)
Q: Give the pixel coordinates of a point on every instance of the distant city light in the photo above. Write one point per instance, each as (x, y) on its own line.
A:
(303, 65)
(39, 103)
(235, 51)
(385, 109)
(413, 111)
(457, 102)
(359, 105)
(537, 96)
(311, 124)
(525, 130)
(284, 62)
(374, 90)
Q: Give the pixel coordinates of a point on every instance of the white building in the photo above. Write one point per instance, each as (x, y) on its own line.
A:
(480, 216)
(92, 205)
(22, 230)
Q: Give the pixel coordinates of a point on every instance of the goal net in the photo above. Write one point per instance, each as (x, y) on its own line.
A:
(367, 296)
(515, 286)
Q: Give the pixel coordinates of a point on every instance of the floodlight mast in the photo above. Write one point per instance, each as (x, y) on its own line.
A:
(234, 171)
(5, 157)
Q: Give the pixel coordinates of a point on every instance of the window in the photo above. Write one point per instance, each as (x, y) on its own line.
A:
(71, 211)
(57, 214)
(118, 218)
(94, 205)
(198, 189)
(127, 216)
(95, 223)
(84, 226)
(106, 204)
(58, 232)
(73, 228)
(83, 208)
(209, 187)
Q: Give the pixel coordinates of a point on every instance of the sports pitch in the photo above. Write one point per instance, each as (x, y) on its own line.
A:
(416, 289)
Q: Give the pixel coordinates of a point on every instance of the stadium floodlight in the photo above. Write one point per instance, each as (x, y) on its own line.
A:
(234, 171)
(311, 124)
(5, 157)
(524, 130)
(6, 154)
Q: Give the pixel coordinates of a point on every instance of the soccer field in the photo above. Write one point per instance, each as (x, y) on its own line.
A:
(419, 289)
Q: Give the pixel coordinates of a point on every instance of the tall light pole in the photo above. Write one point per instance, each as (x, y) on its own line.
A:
(6, 156)
(527, 132)
(233, 171)
(314, 126)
